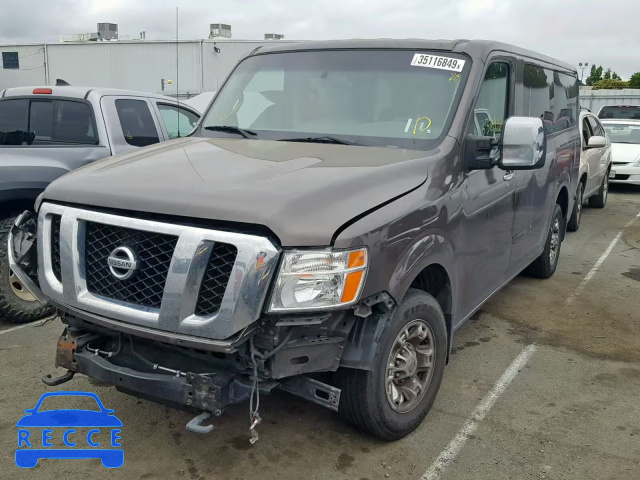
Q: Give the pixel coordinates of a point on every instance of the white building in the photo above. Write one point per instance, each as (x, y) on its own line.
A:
(136, 65)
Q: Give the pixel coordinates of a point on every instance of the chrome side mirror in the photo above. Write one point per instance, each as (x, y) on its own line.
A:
(524, 144)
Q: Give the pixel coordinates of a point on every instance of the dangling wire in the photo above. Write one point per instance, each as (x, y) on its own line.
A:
(254, 416)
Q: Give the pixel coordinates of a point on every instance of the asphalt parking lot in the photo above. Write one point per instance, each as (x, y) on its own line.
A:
(567, 408)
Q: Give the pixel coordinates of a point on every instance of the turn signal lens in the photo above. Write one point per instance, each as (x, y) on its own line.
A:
(313, 280)
(351, 286)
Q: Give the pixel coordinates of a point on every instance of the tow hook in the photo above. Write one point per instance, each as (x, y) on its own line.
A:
(53, 381)
(195, 424)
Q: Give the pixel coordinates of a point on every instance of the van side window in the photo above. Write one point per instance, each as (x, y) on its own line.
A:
(491, 107)
(137, 123)
(552, 96)
(565, 100)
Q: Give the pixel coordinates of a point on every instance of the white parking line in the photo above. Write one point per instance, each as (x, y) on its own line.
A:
(452, 450)
(598, 264)
(13, 329)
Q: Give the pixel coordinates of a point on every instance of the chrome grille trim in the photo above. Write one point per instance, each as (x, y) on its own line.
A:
(242, 301)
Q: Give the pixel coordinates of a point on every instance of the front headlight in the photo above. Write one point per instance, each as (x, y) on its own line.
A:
(312, 280)
(636, 163)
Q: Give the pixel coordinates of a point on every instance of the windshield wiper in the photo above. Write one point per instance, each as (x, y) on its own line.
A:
(332, 140)
(231, 129)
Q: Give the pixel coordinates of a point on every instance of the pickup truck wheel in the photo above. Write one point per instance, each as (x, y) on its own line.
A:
(545, 265)
(600, 200)
(574, 221)
(392, 399)
(17, 305)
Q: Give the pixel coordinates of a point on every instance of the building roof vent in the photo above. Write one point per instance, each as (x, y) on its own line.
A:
(273, 36)
(108, 31)
(219, 30)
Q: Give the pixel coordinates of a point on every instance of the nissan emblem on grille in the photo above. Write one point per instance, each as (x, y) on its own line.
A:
(122, 263)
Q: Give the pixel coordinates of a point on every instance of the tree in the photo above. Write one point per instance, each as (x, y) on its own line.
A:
(594, 76)
(610, 84)
(634, 81)
(615, 76)
(607, 74)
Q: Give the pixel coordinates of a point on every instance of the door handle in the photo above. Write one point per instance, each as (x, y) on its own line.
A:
(508, 176)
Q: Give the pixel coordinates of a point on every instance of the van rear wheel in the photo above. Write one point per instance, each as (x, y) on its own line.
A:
(17, 305)
(391, 400)
(545, 265)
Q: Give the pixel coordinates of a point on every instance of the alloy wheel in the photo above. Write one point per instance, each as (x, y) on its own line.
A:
(18, 288)
(410, 366)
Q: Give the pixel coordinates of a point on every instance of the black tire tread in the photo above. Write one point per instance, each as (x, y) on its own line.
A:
(358, 409)
(541, 267)
(599, 200)
(12, 309)
(574, 222)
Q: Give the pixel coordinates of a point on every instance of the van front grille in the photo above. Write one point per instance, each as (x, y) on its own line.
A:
(216, 278)
(153, 254)
(55, 246)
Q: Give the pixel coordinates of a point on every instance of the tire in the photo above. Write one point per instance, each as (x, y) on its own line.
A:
(545, 265)
(574, 222)
(364, 399)
(600, 200)
(13, 308)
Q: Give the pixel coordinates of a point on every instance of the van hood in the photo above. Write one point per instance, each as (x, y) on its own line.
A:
(624, 152)
(302, 192)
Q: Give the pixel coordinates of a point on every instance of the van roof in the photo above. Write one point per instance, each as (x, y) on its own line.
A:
(474, 48)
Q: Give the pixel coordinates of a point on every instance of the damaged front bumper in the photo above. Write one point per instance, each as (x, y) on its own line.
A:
(180, 377)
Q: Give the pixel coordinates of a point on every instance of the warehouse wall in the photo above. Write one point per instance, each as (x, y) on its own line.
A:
(130, 65)
(218, 65)
(133, 65)
(31, 62)
(594, 100)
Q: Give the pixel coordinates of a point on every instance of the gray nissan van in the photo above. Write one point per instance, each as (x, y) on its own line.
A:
(341, 209)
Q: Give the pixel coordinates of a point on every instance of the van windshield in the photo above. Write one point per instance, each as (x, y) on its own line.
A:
(390, 98)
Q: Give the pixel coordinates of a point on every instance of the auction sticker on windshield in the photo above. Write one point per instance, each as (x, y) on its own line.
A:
(435, 61)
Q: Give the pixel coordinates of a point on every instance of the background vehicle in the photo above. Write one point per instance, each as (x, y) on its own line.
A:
(338, 210)
(46, 132)
(595, 164)
(625, 139)
(201, 101)
(627, 112)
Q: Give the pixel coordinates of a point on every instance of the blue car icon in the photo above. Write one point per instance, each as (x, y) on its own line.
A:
(31, 448)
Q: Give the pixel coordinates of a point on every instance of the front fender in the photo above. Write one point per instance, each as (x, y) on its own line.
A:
(403, 238)
(429, 249)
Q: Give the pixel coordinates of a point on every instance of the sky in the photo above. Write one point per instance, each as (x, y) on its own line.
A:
(593, 31)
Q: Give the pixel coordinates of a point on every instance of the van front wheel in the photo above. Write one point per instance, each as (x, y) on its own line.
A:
(392, 399)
